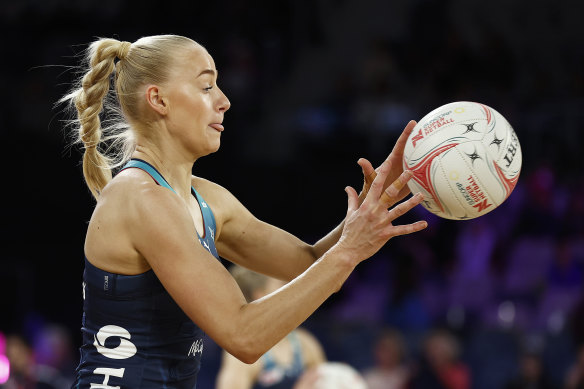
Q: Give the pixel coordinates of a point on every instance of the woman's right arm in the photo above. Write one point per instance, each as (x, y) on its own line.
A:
(163, 233)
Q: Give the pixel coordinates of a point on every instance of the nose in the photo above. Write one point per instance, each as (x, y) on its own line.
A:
(223, 103)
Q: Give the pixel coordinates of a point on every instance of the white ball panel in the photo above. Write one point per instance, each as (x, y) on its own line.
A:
(460, 184)
(444, 181)
(466, 159)
(480, 165)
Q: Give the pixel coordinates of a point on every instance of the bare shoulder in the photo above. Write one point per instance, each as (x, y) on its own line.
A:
(209, 188)
(132, 192)
(123, 204)
(222, 202)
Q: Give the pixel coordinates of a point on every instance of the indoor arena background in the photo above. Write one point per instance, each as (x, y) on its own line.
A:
(314, 85)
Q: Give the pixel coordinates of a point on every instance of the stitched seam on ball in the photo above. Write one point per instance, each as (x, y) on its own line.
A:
(448, 182)
(478, 178)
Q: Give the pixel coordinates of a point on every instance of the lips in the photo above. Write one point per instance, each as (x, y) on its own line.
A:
(217, 126)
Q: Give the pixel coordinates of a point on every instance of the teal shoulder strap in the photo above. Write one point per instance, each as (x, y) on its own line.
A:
(138, 163)
(208, 216)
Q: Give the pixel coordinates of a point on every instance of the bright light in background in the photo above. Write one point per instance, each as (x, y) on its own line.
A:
(2, 344)
(4, 369)
(507, 313)
(4, 363)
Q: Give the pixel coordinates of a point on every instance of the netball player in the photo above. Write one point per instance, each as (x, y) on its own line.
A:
(152, 282)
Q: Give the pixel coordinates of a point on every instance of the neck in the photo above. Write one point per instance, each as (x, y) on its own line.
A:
(176, 171)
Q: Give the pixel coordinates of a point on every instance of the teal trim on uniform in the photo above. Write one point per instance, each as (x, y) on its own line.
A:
(208, 216)
(209, 224)
(138, 163)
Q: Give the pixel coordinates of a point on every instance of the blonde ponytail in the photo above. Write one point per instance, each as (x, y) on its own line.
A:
(88, 99)
(148, 60)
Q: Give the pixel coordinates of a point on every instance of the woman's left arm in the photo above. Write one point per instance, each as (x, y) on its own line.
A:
(247, 241)
(266, 249)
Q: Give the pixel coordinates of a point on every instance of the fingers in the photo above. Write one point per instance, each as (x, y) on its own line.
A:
(409, 228)
(378, 182)
(368, 170)
(396, 191)
(400, 145)
(352, 200)
(404, 207)
(393, 193)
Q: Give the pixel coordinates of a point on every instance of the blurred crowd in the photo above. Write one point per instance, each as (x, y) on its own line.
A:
(490, 303)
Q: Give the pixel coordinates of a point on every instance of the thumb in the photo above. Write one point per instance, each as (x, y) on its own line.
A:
(352, 200)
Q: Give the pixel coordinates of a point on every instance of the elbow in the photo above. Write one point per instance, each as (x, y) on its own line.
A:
(245, 355)
(246, 350)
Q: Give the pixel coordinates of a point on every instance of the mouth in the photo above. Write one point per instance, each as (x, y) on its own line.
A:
(218, 126)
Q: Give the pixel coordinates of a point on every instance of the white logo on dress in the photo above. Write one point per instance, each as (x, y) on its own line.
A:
(212, 232)
(196, 347)
(203, 204)
(124, 350)
(107, 373)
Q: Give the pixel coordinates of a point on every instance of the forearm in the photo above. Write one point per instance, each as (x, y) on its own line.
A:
(266, 321)
(328, 241)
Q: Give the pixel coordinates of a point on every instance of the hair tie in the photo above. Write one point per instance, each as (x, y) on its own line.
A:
(123, 50)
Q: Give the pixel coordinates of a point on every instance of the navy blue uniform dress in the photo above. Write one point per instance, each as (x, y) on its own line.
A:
(134, 334)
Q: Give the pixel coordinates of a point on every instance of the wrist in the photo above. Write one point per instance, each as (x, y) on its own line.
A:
(344, 259)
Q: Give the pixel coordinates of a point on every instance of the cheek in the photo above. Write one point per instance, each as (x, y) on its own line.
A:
(198, 110)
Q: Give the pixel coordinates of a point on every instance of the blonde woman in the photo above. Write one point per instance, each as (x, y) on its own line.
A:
(152, 282)
(283, 364)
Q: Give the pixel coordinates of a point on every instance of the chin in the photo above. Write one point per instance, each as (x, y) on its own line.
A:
(210, 150)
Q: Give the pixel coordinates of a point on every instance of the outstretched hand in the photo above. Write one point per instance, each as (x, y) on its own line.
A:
(369, 223)
(394, 186)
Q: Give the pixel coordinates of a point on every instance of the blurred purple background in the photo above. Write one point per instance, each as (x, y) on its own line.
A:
(314, 85)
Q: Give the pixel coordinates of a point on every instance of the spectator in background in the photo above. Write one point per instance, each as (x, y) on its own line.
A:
(282, 365)
(389, 371)
(531, 374)
(575, 375)
(25, 372)
(441, 367)
(53, 347)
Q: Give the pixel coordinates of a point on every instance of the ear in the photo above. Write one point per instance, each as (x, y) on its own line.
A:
(156, 100)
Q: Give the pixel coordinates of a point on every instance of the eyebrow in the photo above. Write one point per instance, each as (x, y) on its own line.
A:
(207, 71)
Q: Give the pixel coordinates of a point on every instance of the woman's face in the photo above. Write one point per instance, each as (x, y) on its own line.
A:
(196, 105)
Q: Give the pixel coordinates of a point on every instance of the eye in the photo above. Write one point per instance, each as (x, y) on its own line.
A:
(207, 89)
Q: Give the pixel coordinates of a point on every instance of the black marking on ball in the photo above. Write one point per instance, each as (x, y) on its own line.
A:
(469, 127)
(474, 156)
(497, 142)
